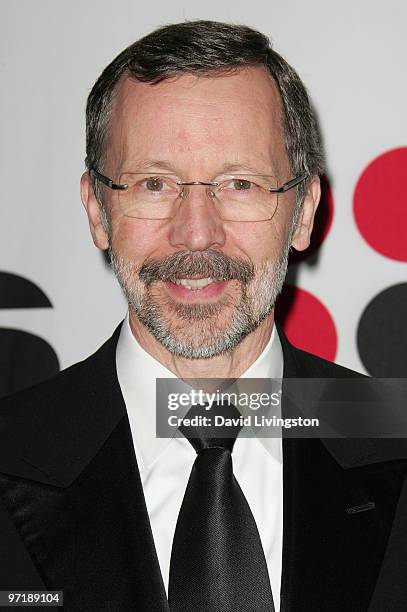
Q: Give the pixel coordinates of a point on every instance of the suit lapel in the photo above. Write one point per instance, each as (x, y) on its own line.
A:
(76, 498)
(92, 539)
(336, 521)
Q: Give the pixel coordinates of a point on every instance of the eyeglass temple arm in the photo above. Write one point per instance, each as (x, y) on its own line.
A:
(295, 181)
(107, 181)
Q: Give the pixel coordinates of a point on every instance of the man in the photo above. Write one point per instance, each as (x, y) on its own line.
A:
(203, 164)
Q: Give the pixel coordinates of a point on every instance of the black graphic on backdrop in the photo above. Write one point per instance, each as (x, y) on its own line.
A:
(25, 359)
(382, 333)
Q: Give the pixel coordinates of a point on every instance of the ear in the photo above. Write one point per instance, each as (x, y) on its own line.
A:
(302, 234)
(92, 207)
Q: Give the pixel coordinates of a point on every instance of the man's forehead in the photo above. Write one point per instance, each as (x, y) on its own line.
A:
(250, 87)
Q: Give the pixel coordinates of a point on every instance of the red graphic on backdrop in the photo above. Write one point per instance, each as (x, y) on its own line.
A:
(380, 204)
(307, 322)
(322, 224)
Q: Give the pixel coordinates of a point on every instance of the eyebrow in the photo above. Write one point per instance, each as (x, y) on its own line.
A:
(163, 164)
(244, 167)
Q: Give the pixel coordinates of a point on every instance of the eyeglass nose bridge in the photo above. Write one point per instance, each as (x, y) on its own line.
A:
(184, 193)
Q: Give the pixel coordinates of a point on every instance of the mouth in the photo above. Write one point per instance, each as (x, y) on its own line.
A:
(195, 283)
(195, 288)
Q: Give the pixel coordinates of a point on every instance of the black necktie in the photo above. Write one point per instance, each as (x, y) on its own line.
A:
(217, 560)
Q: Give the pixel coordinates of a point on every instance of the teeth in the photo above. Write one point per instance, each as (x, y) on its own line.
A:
(194, 284)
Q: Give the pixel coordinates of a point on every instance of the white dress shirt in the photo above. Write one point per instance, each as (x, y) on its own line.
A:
(165, 464)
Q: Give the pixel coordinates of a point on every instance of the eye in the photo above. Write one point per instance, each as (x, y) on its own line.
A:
(241, 184)
(154, 183)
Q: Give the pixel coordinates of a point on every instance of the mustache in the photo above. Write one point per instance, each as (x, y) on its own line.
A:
(208, 263)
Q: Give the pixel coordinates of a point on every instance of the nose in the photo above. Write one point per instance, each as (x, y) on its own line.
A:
(197, 225)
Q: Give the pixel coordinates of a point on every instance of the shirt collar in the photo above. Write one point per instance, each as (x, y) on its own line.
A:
(137, 371)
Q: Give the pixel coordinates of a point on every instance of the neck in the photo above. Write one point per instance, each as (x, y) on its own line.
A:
(228, 365)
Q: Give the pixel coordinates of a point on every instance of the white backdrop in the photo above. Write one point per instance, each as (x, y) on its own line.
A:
(352, 57)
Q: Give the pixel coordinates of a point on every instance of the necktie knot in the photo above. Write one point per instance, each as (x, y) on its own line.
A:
(217, 427)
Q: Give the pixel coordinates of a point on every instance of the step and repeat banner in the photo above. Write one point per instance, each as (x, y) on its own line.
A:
(345, 297)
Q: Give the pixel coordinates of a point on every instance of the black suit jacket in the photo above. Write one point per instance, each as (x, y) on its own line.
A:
(73, 515)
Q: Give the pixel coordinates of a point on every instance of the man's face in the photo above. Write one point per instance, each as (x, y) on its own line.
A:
(196, 127)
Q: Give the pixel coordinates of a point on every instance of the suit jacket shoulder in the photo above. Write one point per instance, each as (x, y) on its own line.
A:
(62, 421)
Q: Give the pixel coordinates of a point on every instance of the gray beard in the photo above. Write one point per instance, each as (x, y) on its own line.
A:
(197, 332)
